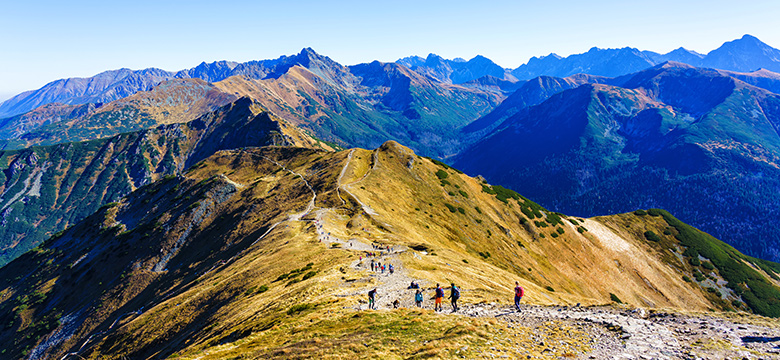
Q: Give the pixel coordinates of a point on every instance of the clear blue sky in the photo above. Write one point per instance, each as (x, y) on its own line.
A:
(41, 41)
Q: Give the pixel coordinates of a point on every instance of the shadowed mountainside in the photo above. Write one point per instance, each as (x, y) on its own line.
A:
(45, 189)
(693, 141)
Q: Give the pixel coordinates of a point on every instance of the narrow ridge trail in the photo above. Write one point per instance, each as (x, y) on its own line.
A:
(615, 333)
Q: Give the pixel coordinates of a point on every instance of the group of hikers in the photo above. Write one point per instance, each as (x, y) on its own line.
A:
(418, 297)
(379, 267)
(438, 297)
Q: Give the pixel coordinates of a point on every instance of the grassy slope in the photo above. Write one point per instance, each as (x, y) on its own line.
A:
(202, 307)
(75, 179)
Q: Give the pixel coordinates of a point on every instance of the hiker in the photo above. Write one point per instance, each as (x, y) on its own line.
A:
(418, 298)
(396, 303)
(372, 265)
(454, 295)
(372, 299)
(414, 285)
(519, 292)
(392, 269)
(383, 268)
(438, 296)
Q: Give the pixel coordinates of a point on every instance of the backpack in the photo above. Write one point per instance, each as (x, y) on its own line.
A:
(439, 292)
(455, 293)
(418, 297)
(519, 292)
(371, 294)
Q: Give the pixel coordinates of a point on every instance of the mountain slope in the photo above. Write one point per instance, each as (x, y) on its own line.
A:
(365, 105)
(744, 54)
(173, 101)
(46, 189)
(530, 93)
(256, 253)
(101, 88)
(702, 145)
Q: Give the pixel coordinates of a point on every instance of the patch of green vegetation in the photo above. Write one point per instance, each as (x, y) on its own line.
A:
(479, 211)
(540, 224)
(655, 212)
(560, 230)
(451, 208)
(650, 235)
(299, 308)
(484, 255)
(686, 278)
(554, 219)
(614, 298)
(554, 234)
(761, 296)
(461, 210)
(437, 162)
(698, 275)
(549, 288)
(694, 261)
(441, 174)
(463, 193)
(707, 265)
(581, 229)
(309, 275)
(640, 212)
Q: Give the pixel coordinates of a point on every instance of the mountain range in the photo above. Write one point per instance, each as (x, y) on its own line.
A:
(746, 54)
(46, 189)
(700, 144)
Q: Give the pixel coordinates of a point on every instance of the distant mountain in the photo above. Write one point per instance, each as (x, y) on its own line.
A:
(745, 55)
(116, 84)
(694, 141)
(456, 71)
(46, 189)
(601, 62)
(365, 105)
(101, 88)
(763, 78)
(742, 55)
(174, 101)
(531, 92)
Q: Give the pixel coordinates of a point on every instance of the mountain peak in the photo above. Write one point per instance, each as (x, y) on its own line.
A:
(307, 51)
(749, 37)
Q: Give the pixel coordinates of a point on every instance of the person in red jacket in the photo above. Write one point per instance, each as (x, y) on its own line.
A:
(519, 292)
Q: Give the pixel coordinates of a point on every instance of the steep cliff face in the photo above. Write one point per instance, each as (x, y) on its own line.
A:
(45, 189)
